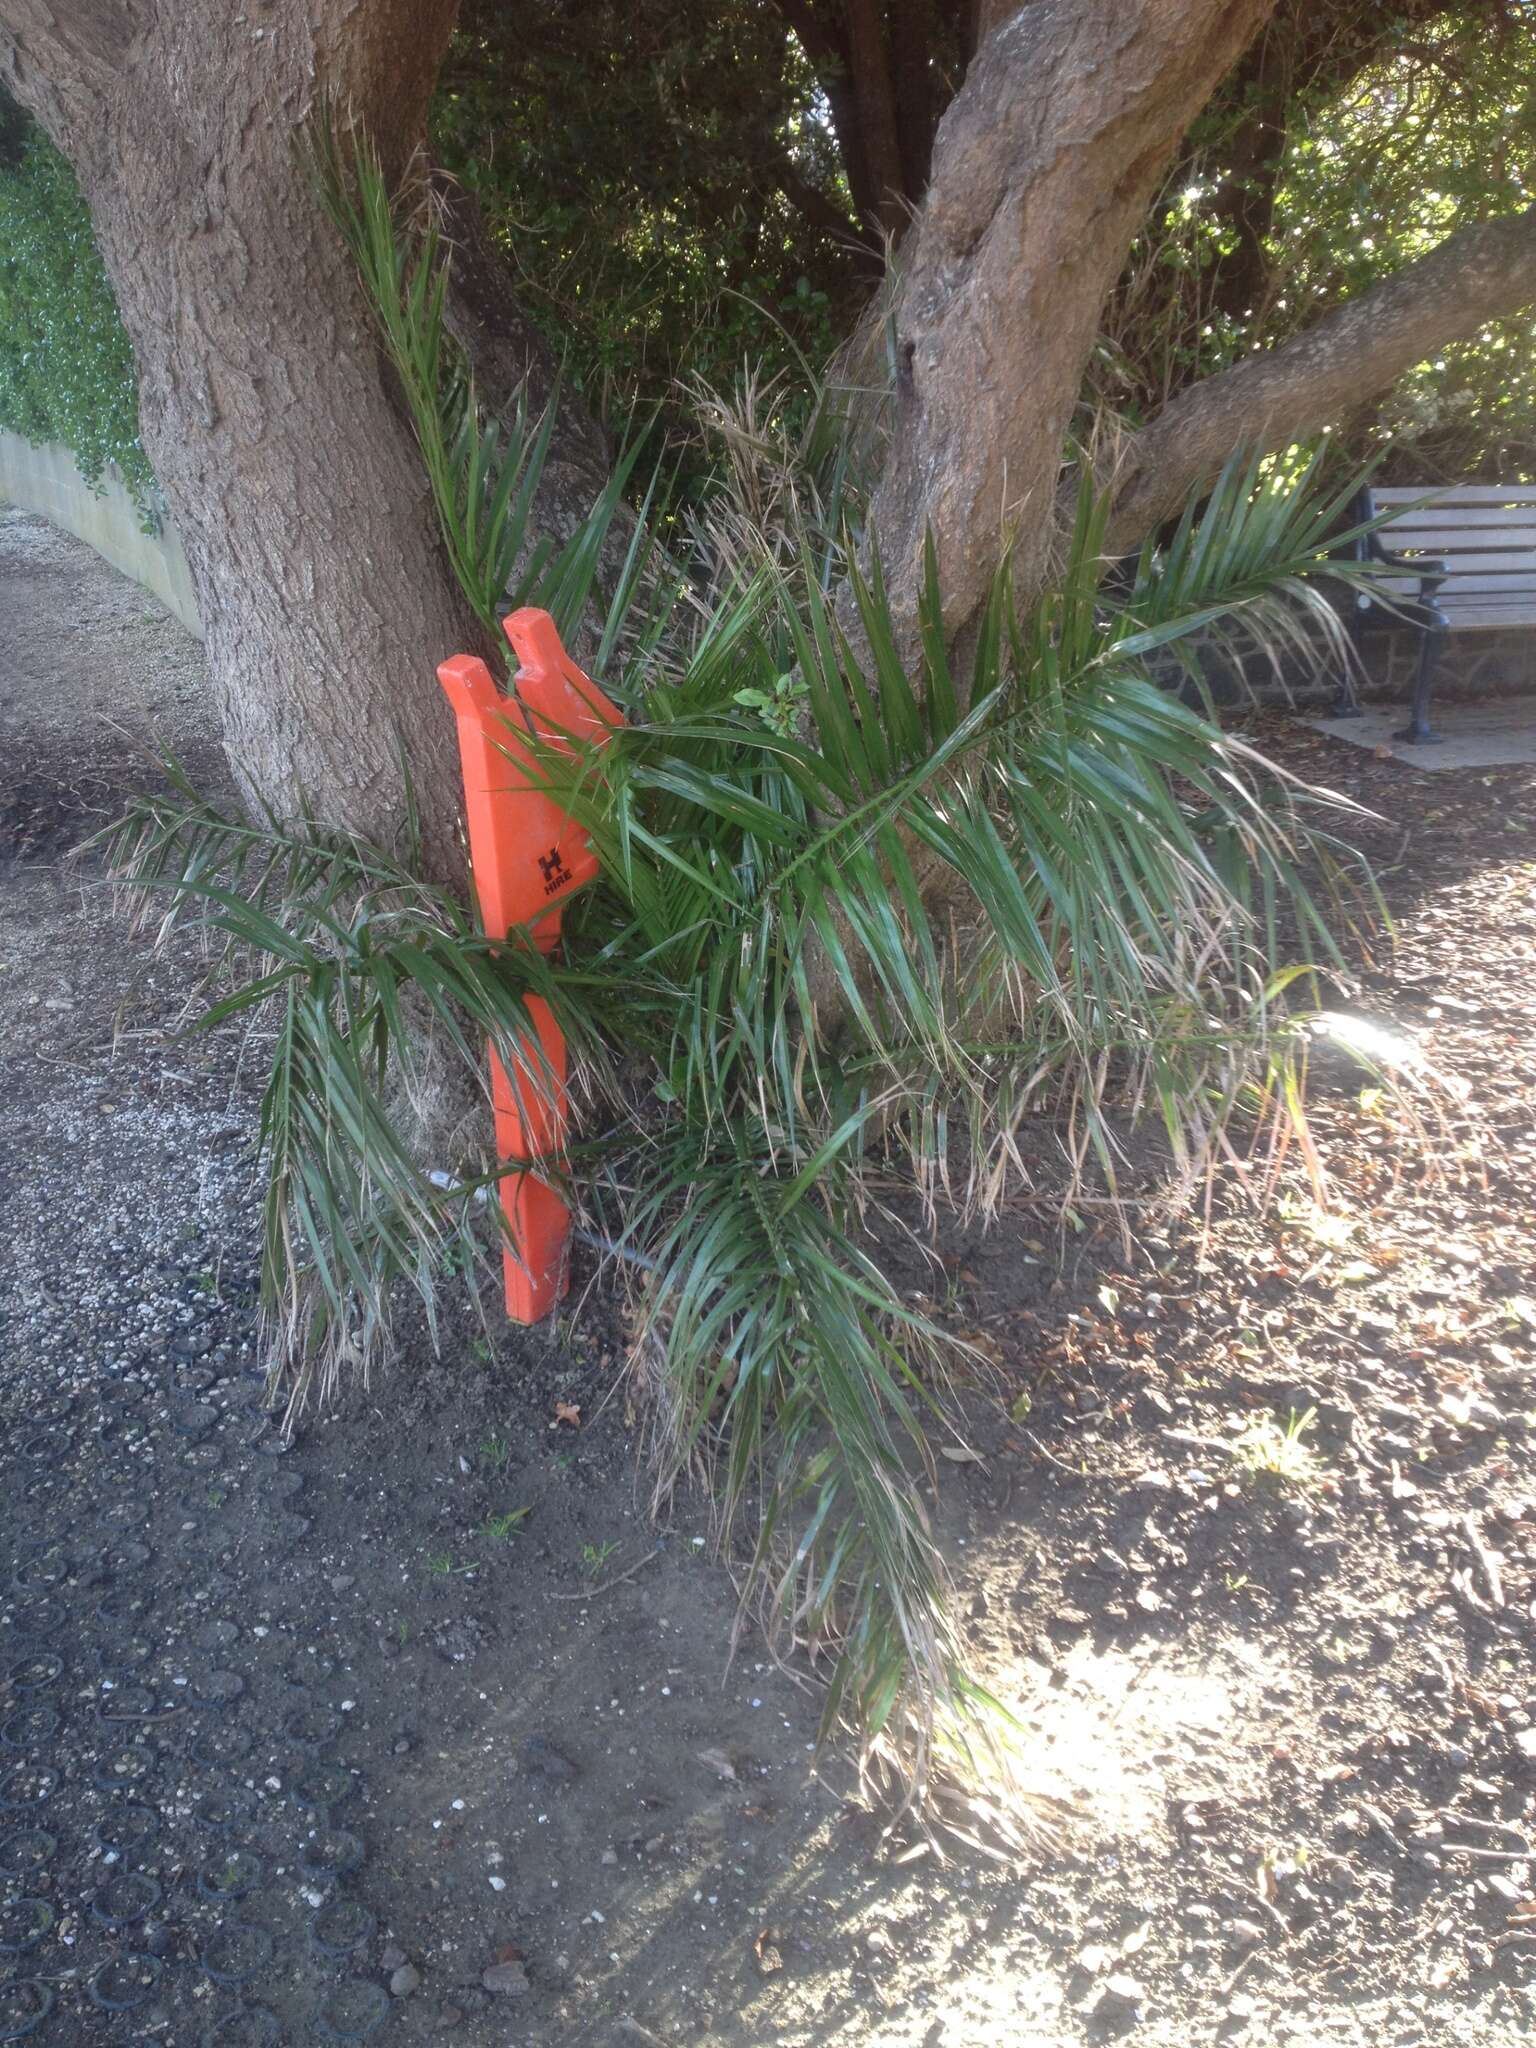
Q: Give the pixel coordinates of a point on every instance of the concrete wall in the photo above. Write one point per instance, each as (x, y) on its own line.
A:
(46, 481)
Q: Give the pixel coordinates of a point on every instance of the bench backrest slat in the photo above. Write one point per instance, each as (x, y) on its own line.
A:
(1471, 616)
(1492, 520)
(1464, 562)
(1456, 494)
(1459, 562)
(1483, 534)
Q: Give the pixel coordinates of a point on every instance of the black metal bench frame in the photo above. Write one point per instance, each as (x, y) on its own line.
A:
(1464, 562)
(1419, 613)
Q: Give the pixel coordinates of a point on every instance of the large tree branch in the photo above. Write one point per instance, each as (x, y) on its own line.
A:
(510, 360)
(1479, 274)
(845, 47)
(505, 351)
(88, 35)
(1042, 170)
(920, 87)
(814, 206)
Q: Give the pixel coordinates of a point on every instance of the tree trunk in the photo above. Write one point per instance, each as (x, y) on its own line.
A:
(1043, 168)
(874, 93)
(887, 69)
(285, 458)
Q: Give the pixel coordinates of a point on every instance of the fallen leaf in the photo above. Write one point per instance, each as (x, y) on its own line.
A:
(568, 1412)
(768, 1956)
(719, 1762)
(1399, 1487)
(982, 1341)
(958, 1454)
(1355, 1274)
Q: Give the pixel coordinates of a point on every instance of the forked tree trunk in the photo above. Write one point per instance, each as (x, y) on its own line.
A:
(285, 458)
(1043, 169)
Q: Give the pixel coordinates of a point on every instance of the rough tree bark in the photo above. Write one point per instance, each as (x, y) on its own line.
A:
(285, 459)
(1482, 273)
(1043, 168)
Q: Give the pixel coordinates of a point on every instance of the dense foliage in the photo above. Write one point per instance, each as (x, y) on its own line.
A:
(1434, 137)
(663, 181)
(1350, 142)
(673, 185)
(66, 367)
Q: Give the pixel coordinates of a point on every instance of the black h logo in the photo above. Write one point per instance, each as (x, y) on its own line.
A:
(554, 870)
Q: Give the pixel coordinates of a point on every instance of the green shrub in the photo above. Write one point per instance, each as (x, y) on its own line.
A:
(66, 365)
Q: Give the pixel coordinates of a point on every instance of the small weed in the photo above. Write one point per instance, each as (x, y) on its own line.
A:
(778, 706)
(459, 1258)
(496, 1451)
(441, 1565)
(216, 1496)
(954, 1302)
(1268, 1449)
(594, 1556)
(480, 1351)
(504, 1526)
(564, 1460)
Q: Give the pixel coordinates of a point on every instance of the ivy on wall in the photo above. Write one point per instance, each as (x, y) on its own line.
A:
(66, 366)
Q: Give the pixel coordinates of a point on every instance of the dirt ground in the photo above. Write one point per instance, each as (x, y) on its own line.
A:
(299, 1742)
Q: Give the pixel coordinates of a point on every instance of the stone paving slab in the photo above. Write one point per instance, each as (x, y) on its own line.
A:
(1499, 734)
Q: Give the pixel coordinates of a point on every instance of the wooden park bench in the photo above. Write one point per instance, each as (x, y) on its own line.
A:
(1467, 561)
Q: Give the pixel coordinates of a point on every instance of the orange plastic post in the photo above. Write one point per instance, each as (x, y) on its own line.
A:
(527, 855)
(530, 1112)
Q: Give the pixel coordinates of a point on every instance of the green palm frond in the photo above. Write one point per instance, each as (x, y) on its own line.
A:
(822, 1389)
(370, 974)
(1256, 568)
(484, 472)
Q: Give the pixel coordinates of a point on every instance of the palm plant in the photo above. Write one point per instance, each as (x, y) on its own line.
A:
(848, 917)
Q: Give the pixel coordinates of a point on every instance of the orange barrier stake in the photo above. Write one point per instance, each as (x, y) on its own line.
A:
(527, 855)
